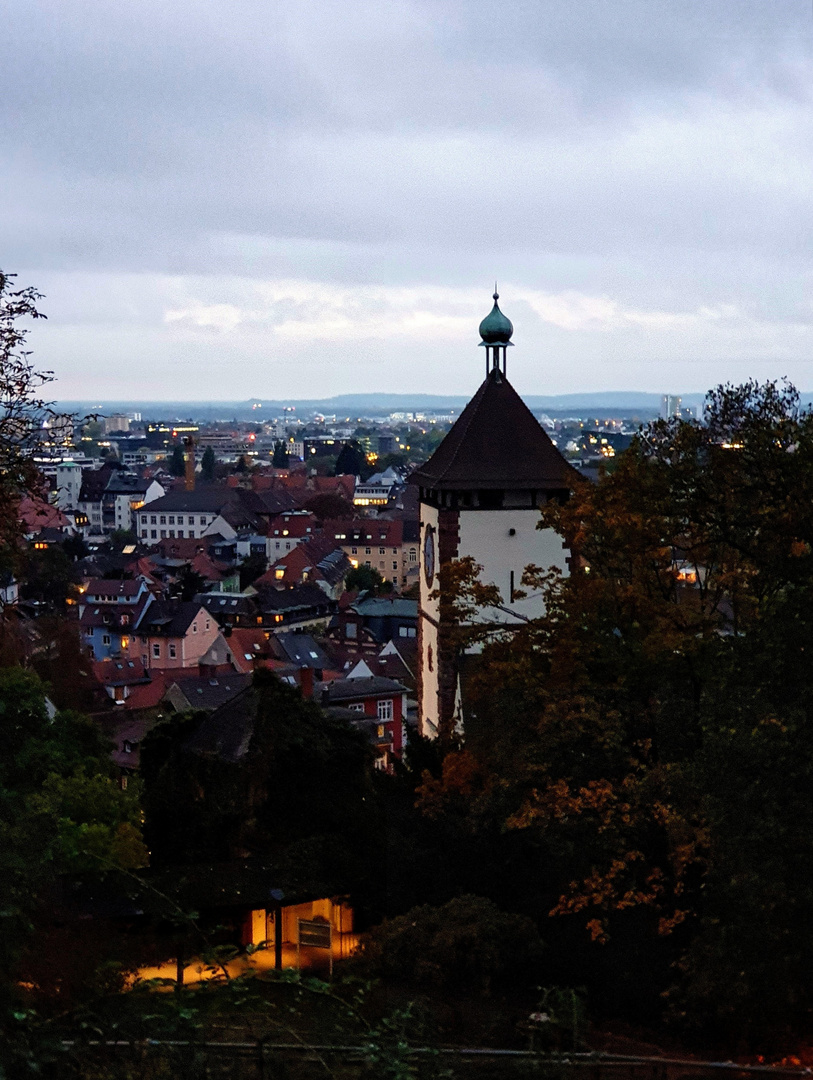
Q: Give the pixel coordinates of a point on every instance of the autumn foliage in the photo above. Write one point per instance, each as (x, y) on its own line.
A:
(647, 746)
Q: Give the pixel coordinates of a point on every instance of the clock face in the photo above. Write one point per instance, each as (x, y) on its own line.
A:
(429, 554)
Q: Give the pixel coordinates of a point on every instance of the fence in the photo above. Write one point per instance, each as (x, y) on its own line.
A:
(261, 1059)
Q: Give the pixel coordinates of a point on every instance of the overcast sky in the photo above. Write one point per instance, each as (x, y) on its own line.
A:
(234, 198)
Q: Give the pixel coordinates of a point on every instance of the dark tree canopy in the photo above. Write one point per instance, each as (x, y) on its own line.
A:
(301, 793)
(649, 742)
(177, 460)
(280, 459)
(207, 465)
(351, 460)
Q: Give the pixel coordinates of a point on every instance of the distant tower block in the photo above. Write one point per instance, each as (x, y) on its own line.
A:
(480, 495)
(189, 465)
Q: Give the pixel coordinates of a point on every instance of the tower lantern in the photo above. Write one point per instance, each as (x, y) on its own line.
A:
(480, 495)
(496, 332)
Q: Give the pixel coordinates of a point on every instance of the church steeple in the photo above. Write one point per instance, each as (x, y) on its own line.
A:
(496, 331)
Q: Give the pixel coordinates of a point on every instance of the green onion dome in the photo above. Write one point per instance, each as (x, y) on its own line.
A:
(495, 329)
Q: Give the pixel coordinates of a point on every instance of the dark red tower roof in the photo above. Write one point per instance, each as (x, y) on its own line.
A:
(496, 443)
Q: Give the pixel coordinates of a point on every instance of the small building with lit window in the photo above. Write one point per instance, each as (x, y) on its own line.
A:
(373, 702)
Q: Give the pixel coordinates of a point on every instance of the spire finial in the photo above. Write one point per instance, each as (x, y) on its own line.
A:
(496, 295)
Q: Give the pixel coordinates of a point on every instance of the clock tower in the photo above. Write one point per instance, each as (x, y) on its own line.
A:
(480, 495)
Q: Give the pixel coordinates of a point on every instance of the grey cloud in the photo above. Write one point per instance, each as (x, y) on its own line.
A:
(654, 151)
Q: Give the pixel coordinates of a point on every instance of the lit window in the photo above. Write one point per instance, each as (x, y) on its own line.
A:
(279, 573)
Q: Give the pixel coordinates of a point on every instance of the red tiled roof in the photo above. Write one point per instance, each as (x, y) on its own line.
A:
(148, 695)
(119, 672)
(35, 514)
(206, 567)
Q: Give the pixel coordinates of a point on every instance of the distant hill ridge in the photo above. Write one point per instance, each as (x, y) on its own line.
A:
(377, 404)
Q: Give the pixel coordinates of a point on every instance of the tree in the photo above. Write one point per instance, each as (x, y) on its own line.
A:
(328, 506)
(280, 459)
(121, 538)
(207, 465)
(189, 584)
(49, 576)
(648, 743)
(364, 579)
(301, 791)
(252, 567)
(466, 943)
(351, 460)
(22, 411)
(177, 461)
(61, 812)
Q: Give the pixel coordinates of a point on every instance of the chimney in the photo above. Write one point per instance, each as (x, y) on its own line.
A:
(189, 482)
(306, 681)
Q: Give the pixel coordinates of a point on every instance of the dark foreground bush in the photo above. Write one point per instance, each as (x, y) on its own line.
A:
(466, 944)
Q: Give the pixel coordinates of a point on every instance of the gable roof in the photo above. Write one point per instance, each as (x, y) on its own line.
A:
(357, 689)
(496, 443)
(302, 650)
(201, 500)
(113, 588)
(164, 619)
(299, 597)
(320, 558)
(206, 692)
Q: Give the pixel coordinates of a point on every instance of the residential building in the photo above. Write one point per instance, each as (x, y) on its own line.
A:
(182, 514)
(378, 489)
(318, 561)
(379, 705)
(390, 547)
(173, 635)
(107, 625)
(221, 511)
